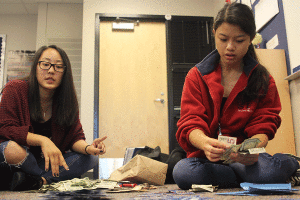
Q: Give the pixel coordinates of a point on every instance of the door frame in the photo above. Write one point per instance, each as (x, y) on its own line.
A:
(112, 17)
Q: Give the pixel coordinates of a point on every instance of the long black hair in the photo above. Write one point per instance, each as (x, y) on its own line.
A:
(242, 16)
(66, 104)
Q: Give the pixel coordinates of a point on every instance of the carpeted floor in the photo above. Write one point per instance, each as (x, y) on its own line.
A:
(162, 192)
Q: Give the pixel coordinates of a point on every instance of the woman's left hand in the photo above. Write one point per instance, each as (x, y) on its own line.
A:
(97, 147)
(246, 159)
(250, 159)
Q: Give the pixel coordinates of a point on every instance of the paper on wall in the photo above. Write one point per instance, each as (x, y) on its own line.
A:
(246, 2)
(272, 43)
(265, 10)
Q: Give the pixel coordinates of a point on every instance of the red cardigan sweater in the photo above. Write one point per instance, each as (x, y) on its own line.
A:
(15, 119)
(201, 101)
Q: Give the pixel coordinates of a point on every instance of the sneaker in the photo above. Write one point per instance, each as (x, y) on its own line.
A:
(22, 181)
(295, 179)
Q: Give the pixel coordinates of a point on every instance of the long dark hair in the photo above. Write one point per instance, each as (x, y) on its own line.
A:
(242, 16)
(66, 104)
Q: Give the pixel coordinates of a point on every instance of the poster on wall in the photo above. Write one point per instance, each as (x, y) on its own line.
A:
(18, 64)
(2, 56)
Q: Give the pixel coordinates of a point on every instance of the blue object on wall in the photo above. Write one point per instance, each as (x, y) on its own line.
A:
(273, 27)
(296, 69)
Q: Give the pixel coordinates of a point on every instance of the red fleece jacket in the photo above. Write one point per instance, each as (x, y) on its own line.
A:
(201, 101)
(15, 119)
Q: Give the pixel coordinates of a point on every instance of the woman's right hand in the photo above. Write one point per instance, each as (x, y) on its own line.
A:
(52, 156)
(214, 149)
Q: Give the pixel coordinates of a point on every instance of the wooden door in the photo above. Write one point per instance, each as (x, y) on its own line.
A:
(133, 74)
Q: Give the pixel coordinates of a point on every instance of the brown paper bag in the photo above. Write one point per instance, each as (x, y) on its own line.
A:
(142, 170)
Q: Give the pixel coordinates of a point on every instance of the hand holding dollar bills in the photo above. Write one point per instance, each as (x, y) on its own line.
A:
(247, 147)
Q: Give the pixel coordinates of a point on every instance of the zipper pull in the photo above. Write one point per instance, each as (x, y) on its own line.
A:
(220, 133)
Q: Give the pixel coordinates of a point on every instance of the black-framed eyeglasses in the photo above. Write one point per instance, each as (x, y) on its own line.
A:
(47, 65)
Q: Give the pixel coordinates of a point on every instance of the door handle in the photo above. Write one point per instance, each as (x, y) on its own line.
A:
(160, 100)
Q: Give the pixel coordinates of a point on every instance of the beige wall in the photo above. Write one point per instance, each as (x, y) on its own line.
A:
(147, 7)
(20, 31)
(292, 23)
(58, 21)
(61, 24)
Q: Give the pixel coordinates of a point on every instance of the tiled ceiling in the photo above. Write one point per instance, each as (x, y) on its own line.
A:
(27, 7)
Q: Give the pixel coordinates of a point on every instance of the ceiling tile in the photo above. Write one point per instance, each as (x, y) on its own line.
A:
(29, 1)
(14, 9)
(72, 1)
(27, 6)
(10, 1)
(50, 1)
(42, 1)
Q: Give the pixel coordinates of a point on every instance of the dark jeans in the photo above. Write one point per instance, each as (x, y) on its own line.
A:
(78, 165)
(268, 169)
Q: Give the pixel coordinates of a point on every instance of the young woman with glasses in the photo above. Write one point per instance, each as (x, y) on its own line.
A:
(41, 137)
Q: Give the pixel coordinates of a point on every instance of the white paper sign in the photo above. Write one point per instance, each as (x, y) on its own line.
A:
(271, 44)
(122, 25)
(265, 10)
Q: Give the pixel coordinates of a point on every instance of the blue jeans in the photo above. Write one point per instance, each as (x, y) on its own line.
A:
(269, 169)
(78, 164)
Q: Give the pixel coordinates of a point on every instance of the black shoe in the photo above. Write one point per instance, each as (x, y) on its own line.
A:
(176, 155)
(22, 181)
(295, 179)
(6, 175)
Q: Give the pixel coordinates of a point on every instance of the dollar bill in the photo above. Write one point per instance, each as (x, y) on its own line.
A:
(257, 150)
(249, 144)
(203, 188)
(240, 148)
(233, 148)
(78, 184)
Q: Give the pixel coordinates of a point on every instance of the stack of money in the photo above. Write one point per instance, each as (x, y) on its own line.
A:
(248, 144)
(77, 184)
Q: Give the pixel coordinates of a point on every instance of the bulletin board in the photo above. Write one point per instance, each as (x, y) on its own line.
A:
(271, 24)
(275, 26)
(265, 10)
(2, 56)
(18, 64)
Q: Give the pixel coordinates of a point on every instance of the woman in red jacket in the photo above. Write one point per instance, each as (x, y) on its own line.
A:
(229, 94)
(41, 137)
